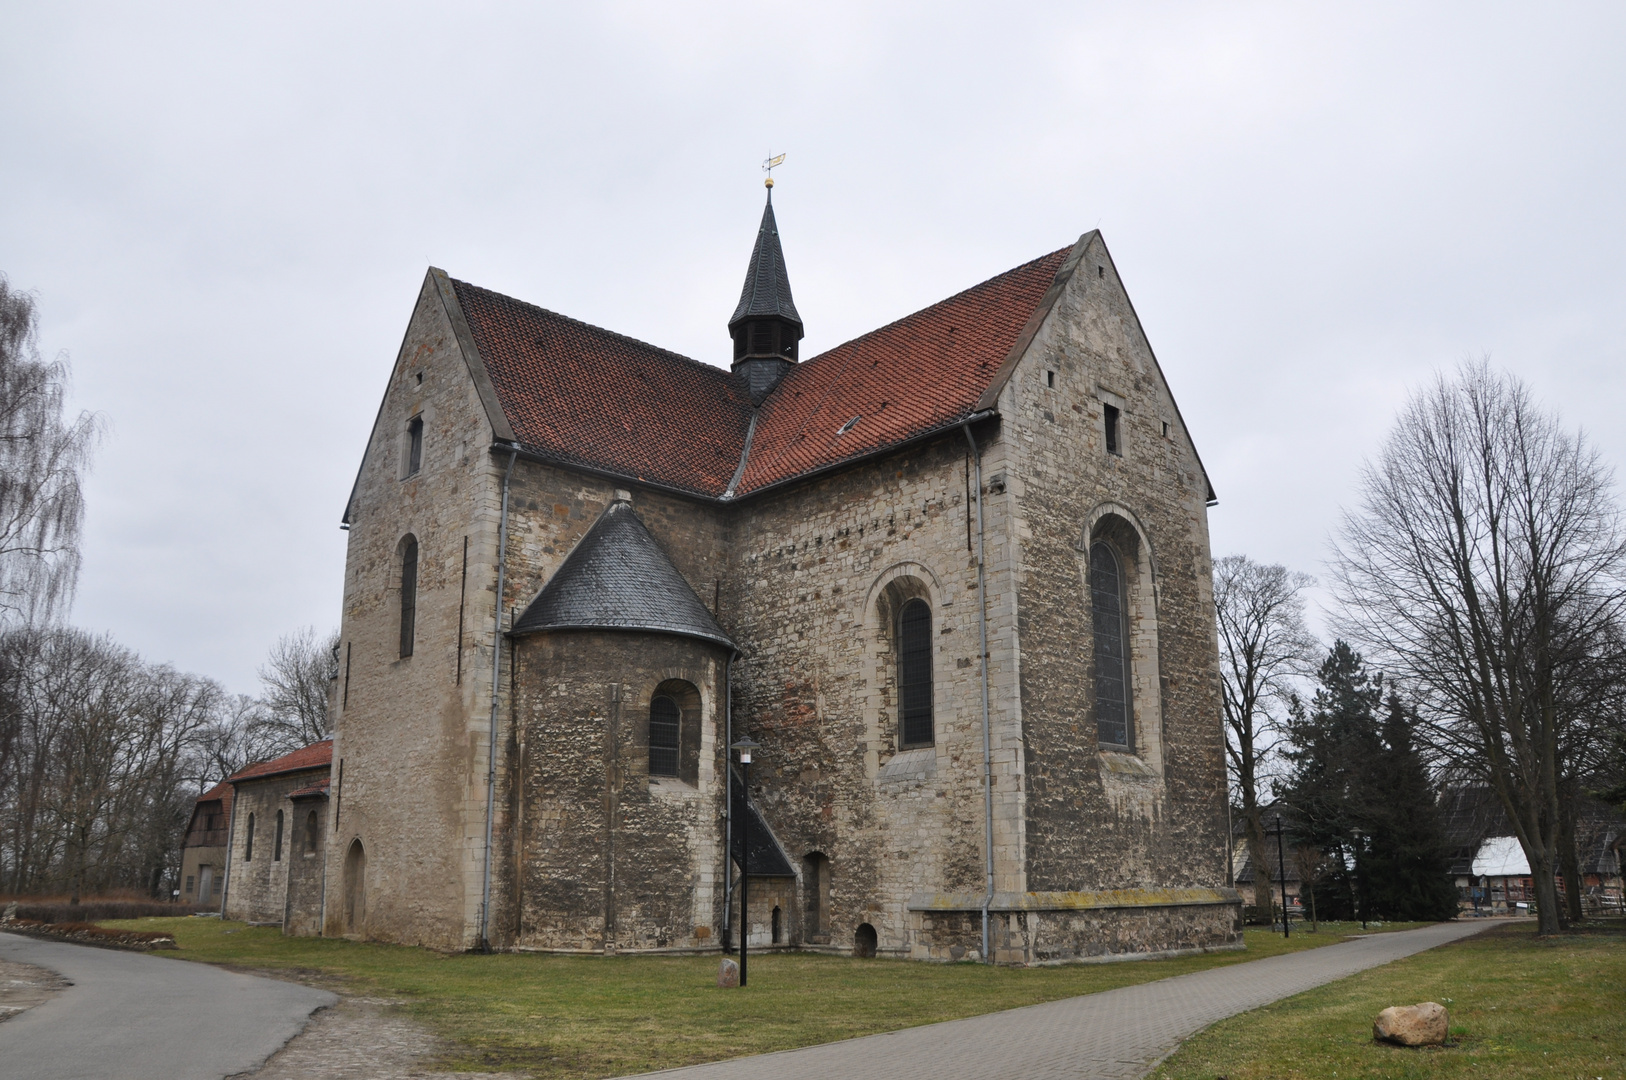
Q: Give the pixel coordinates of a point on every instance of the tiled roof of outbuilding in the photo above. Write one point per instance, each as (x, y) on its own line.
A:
(618, 578)
(318, 755)
(586, 396)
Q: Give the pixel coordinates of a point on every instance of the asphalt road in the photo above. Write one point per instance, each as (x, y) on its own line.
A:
(129, 1016)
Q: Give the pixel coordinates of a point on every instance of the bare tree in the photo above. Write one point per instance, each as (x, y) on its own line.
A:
(296, 679)
(1263, 645)
(1485, 565)
(42, 460)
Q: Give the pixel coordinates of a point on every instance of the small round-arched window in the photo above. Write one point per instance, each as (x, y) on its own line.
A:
(665, 720)
(1108, 613)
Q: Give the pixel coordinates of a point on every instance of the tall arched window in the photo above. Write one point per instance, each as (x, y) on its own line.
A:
(665, 720)
(248, 843)
(409, 592)
(915, 674)
(276, 851)
(1107, 594)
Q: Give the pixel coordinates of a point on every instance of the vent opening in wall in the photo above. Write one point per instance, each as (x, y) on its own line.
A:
(1050, 379)
(1165, 429)
(1110, 412)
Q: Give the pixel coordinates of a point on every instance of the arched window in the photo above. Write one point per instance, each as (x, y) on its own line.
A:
(276, 850)
(414, 460)
(248, 843)
(915, 674)
(1107, 609)
(665, 720)
(409, 592)
(310, 833)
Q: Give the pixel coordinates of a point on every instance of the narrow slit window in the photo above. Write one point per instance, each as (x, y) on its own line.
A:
(1108, 613)
(409, 593)
(915, 674)
(665, 722)
(1114, 446)
(414, 446)
(1050, 379)
(248, 842)
(276, 849)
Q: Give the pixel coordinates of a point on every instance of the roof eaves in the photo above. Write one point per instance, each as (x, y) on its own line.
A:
(714, 639)
(871, 454)
(500, 427)
(545, 457)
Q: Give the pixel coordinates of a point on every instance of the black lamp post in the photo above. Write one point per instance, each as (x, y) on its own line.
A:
(745, 746)
(1281, 875)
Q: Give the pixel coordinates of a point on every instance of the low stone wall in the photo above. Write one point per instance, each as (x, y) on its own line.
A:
(1077, 927)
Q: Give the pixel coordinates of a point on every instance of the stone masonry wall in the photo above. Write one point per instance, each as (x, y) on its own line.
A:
(610, 858)
(409, 763)
(257, 888)
(818, 570)
(1100, 820)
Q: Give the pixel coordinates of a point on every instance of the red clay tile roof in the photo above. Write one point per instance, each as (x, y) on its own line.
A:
(317, 789)
(922, 372)
(590, 397)
(222, 791)
(586, 396)
(318, 755)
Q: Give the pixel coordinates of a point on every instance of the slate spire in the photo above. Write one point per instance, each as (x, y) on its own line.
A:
(765, 326)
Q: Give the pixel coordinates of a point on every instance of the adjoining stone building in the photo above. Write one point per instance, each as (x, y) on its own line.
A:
(204, 848)
(278, 829)
(953, 575)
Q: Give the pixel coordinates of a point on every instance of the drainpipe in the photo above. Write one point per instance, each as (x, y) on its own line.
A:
(987, 742)
(496, 686)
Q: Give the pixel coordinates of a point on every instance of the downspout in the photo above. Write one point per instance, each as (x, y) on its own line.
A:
(496, 687)
(987, 741)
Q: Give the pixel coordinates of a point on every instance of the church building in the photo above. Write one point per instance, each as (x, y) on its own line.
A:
(952, 576)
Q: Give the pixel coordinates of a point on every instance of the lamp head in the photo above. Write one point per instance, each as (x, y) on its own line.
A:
(745, 745)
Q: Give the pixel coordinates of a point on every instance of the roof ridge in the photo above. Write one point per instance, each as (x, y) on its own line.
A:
(701, 364)
(934, 304)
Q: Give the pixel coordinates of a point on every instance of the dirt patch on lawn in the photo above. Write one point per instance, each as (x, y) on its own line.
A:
(23, 986)
(361, 1037)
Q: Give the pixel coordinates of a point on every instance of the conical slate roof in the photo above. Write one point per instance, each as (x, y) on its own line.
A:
(767, 284)
(618, 578)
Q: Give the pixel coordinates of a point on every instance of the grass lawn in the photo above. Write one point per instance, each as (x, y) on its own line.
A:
(1521, 1006)
(589, 1016)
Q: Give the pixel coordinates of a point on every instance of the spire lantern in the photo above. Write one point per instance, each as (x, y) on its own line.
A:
(765, 326)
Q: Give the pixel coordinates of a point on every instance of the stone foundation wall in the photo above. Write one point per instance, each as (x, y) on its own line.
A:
(1093, 935)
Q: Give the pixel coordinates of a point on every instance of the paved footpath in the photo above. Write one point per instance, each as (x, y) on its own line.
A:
(134, 1017)
(1116, 1033)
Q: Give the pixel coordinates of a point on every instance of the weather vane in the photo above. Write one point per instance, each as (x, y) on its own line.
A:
(770, 164)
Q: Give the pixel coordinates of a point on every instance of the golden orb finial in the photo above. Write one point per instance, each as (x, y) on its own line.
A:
(768, 182)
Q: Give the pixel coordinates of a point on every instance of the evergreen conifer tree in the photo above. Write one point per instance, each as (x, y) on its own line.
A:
(1406, 862)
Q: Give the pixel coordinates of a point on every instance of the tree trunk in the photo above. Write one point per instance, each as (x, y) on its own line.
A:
(1547, 902)
(1253, 829)
(1569, 863)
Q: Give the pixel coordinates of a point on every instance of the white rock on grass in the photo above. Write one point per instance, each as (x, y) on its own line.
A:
(1426, 1024)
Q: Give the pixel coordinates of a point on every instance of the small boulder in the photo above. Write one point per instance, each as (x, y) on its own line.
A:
(1413, 1025)
(728, 975)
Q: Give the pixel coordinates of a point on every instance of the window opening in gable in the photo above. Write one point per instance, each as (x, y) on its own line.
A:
(915, 674)
(1050, 379)
(1114, 446)
(414, 445)
(1165, 429)
(409, 593)
(1108, 612)
(276, 849)
(665, 720)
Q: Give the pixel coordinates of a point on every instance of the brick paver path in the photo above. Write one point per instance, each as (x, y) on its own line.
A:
(1116, 1033)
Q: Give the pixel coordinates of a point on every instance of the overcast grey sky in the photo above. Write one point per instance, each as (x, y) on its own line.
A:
(227, 211)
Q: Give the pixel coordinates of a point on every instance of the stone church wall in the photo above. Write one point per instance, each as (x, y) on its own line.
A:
(609, 857)
(1154, 817)
(257, 888)
(409, 762)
